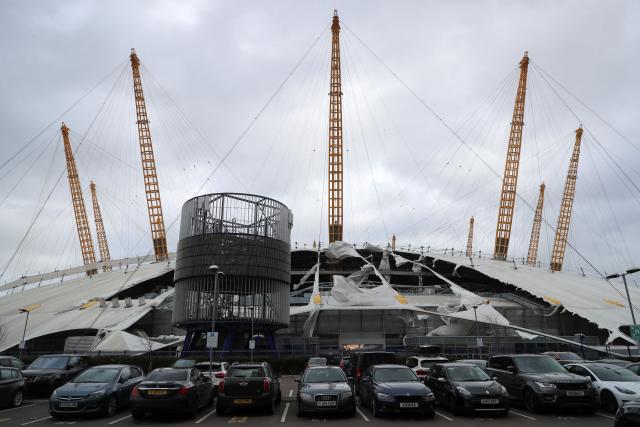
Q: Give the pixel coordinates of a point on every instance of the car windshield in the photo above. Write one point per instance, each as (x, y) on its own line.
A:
(168, 375)
(246, 372)
(318, 361)
(328, 375)
(390, 375)
(466, 373)
(567, 355)
(610, 373)
(50, 362)
(538, 365)
(98, 375)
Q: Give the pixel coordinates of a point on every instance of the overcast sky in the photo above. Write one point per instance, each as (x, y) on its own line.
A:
(209, 68)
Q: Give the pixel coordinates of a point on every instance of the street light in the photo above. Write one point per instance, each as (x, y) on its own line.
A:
(252, 343)
(24, 332)
(214, 313)
(626, 288)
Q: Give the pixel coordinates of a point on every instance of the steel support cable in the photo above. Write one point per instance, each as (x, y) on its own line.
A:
(54, 121)
(60, 176)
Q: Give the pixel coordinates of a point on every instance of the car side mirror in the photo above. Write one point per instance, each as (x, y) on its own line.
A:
(511, 369)
(297, 379)
(442, 380)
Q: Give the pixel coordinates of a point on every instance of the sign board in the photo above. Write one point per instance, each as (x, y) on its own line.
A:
(252, 344)
(635, 332)
(212, 340)
(479, 342)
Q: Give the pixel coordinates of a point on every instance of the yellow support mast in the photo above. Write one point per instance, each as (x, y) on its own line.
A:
(562, 230)
(335, 138)
(79, 210)
(103, 245)
(532, 255)
(470, 239)
(151, 186)
(510, 177)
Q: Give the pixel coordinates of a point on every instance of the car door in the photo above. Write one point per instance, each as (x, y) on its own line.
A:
(365, 385)
(121, 386)
(444, 387)
(432, 382)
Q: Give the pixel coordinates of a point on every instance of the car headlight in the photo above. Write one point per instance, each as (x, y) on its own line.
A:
(306, 396)
(548, 386)
(97, 393)
(625, 390)
(385, 397)
(346, 395)
(463, 391)
(428, 397)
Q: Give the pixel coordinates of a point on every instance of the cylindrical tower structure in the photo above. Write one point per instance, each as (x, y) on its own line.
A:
(248, 238)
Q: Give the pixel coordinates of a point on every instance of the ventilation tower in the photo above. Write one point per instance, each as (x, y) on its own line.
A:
(470, 239)
(103, 245)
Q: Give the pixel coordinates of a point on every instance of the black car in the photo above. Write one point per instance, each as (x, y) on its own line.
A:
(47, 373)
(249, 385)
(539, 381)
(395, 388)
(361, 362)
(98, 390)
(12, 387)
(11, 362)
(170, 390)
(628, 415)
(325, 389)
(467, 388)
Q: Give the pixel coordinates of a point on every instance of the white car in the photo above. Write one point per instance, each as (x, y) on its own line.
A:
(616, 385)
(421, 365)
(218, 369)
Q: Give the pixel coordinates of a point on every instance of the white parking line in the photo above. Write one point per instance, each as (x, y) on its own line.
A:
(19, 407)
(35, 421)
(206, 416)
(603, 415)
(444, 416)
(290, 393)
(362, 415)
(284, 414)
(522, 415)
(120, 419)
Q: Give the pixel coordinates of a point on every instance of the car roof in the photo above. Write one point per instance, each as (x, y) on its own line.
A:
(521, 355)
(62, 355)
(389, 365)
(324, 367)
(469, 360)
(458, 363)
(247, 365)
(430, 357)
(598, 364)
(114, 365)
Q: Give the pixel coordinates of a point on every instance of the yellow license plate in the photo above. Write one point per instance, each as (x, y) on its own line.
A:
(157, 392)
(243, 401)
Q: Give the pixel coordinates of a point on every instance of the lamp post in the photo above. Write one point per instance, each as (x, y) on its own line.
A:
(252, 342)
(626, 288)
(475, 325)
(26, 321)
(214, 313)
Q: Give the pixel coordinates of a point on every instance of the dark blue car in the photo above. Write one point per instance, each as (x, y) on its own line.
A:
(99, 390)
(395, 389)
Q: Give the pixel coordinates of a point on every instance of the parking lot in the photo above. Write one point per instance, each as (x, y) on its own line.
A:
(34, 412)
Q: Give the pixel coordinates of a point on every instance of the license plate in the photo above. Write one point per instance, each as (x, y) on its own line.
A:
(575, 393)
(326, 403)
(489, 401)
(408, 404)
(243, 401)
(68, 404)
(157, 392)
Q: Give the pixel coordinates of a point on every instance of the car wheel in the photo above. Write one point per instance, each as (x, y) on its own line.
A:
(110, 407)
(609, 402)
(192, 411)
(299, 411)
(531, 401)
(17, 398)
(375, 408)
(137, 414)
(453, 405)
(271, 407)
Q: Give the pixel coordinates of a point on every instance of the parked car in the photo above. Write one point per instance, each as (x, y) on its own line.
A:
(564, 357)
(169, 390)
(635, 368)
(12, 387)
(325, 389)
(628, 415)
(539, 381)
(615, 385)
(395, 388)
(11, 362)
(466, 388)
(249, 385)
(362, 361)
(218, 369)
(47, 373)
(421, 365)
(480, 363)
(619, 362)
(316, 361)
(98, 390)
